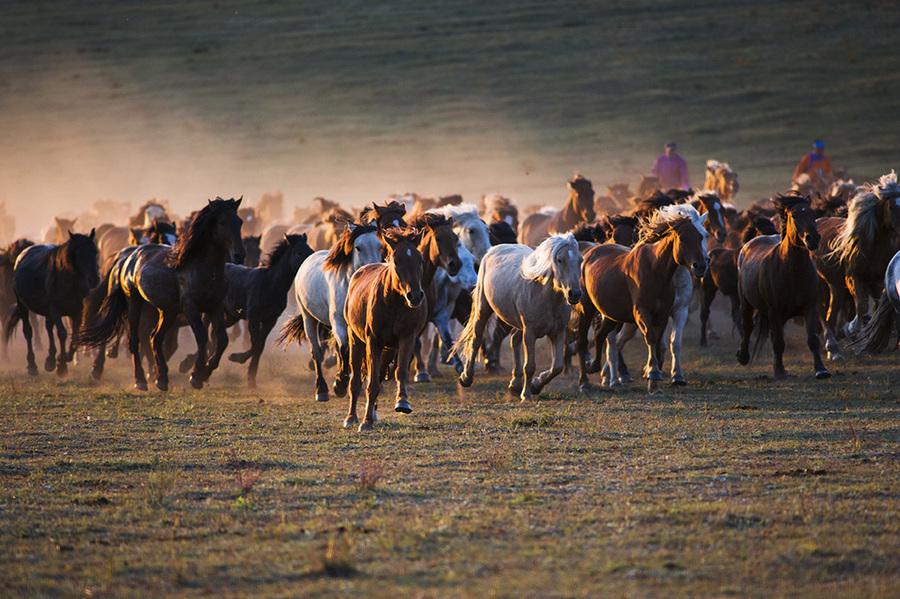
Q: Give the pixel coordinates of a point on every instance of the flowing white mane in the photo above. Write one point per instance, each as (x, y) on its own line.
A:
(462, 214)
(539, 264)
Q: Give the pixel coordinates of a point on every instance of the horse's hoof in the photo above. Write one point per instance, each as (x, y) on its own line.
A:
(653, 387)
(403, 407)
(514, 388)
(312, 364)
(322, 397)
(626, 378)
(615, 383)
(97, 373)
(236, 358)
(435, 374)
(330, 362)
(32, 370)
(713, 334)
(823, 374)
(493, 367)
(186, 365)
(422, 377)
(197, 380)
(112, 353)
(464, 380)
(50, 364)
(742, 358)
(340, 387)
(141, 386)
(459, 367)
(584, 388)
(835, 356)
(678, 381)
(366, 426)
(350, 421)
(536, 387)
(162, 385)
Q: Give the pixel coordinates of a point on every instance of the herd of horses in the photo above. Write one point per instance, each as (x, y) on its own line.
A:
(370, 286)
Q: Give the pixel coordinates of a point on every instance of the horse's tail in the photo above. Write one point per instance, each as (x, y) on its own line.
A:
(16, 314)
(763, 333)
(104, 315)
(292, 330)
(465, 343)
(876, 334)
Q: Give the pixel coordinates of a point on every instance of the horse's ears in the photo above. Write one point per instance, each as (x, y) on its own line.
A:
(93, 233)
(450, 221)
(703, 218)
(238, 202)
(351, 226)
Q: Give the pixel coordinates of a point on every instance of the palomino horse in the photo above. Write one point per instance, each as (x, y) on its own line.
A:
(53, 280)
(579, 208)
(854, 253)
(533, 292)
(468, 226)
(259, 296)
(185, 279)
(641, 285)
(385, 308)
(721, 180)
(876, 335)
(777, 281)
(320, 288)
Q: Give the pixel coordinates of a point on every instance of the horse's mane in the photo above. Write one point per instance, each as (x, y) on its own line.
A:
(539, 264)
(198, 232)
(596, 232)
(282, 248)
(664, 220)
(430, 220)
(462, 214)
(785, 203)
(714, 165)
(864, 216)
(13, 250)
(63, 256)
(342, 252)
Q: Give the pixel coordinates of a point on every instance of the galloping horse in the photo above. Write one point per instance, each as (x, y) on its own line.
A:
(185, 279)
(385, 308)
(777, 281)
(855, 253)
(53, 280)
(8, 283)
(579, 208)
(640, 285)
(533, 292)
(449, 289)
(468, 226)
(875, 336)
(721, 180)
(320, 288)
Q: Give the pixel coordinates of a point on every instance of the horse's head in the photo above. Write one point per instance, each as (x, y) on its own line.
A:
(622, 229)
(390, 214)
(226, 230)
(581, 198)
(689, 236)
(566, 262)
(252, 250)
(365, 245)
(439, 243)
(406, 264)
(299, 250)
(798, 220)
(82, 256)
(466, 277)
(709, 203)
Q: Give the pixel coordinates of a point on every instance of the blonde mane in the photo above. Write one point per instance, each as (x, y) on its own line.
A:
(865, 216)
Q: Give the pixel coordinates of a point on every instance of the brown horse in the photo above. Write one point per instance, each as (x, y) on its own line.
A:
(186, 279)
(636, 285)
(498, 208)
(777, 281)
(579, 208)
(615, 200)
(385, 308)
(721, 180)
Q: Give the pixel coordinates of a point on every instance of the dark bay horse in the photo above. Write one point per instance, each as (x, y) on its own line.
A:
(578, 208)
(777, 281)
(876, 335)
(53, 281)
(8, 257)
(637, 285)
(385, 308)
(186, 279)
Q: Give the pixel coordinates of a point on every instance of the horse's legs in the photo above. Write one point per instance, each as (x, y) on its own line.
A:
(558, 342)
(812, 341)
(157, 342)
(201, 336)
(433, 353)
(342, 377)
(50, 362)
(422, 375)
(743, 353)
(356, 360)
(492, 345)
(373, 361)
(517, 381)
(28, 332)
(651, 332)
(481, 317)
(709, 294)
(623, 335)
(839, 295)
(134, 342)
(220, 330)
(776, 333)
(679, 321)
(861, 302)
(530, 363)
(404, 355)
(258, 333)
(588, 311)
(311, 325)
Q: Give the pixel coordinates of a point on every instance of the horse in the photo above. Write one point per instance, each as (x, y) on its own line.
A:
(777, 281)
(875, 336)
(532, 291)
(252, 250)
(722, 275)
(856, 252)
(8, 257)
(647, 185)
(385, 308)
(615, 201)
(185, 279)
(58, 233)
(259, 296)
(468, 226)
(642, 285)
(389, 214)
(320, 288)
(498, 208)
(709, 202)
(449, 290)
(501, 232)
(53, 281)
(578, 208)
(722, 180)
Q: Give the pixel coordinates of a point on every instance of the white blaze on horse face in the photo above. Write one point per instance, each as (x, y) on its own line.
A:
(408, 252)
(508, 219)
(703, 232)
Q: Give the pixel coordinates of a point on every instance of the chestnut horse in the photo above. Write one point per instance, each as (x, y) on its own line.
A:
(533, 292)
(637, 285)
(579, 208)
(721, 179)
(385, 308)
(185, 279)
(777, 281)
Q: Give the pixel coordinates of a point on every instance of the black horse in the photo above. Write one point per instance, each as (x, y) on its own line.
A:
(53, 281)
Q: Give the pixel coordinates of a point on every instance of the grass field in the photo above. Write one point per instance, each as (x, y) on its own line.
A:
(735, 485)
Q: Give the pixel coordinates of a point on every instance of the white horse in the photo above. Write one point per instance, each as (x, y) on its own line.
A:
(683, 283)
(448, 291)
(320, 288)
(532, 291)
(468, 226)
